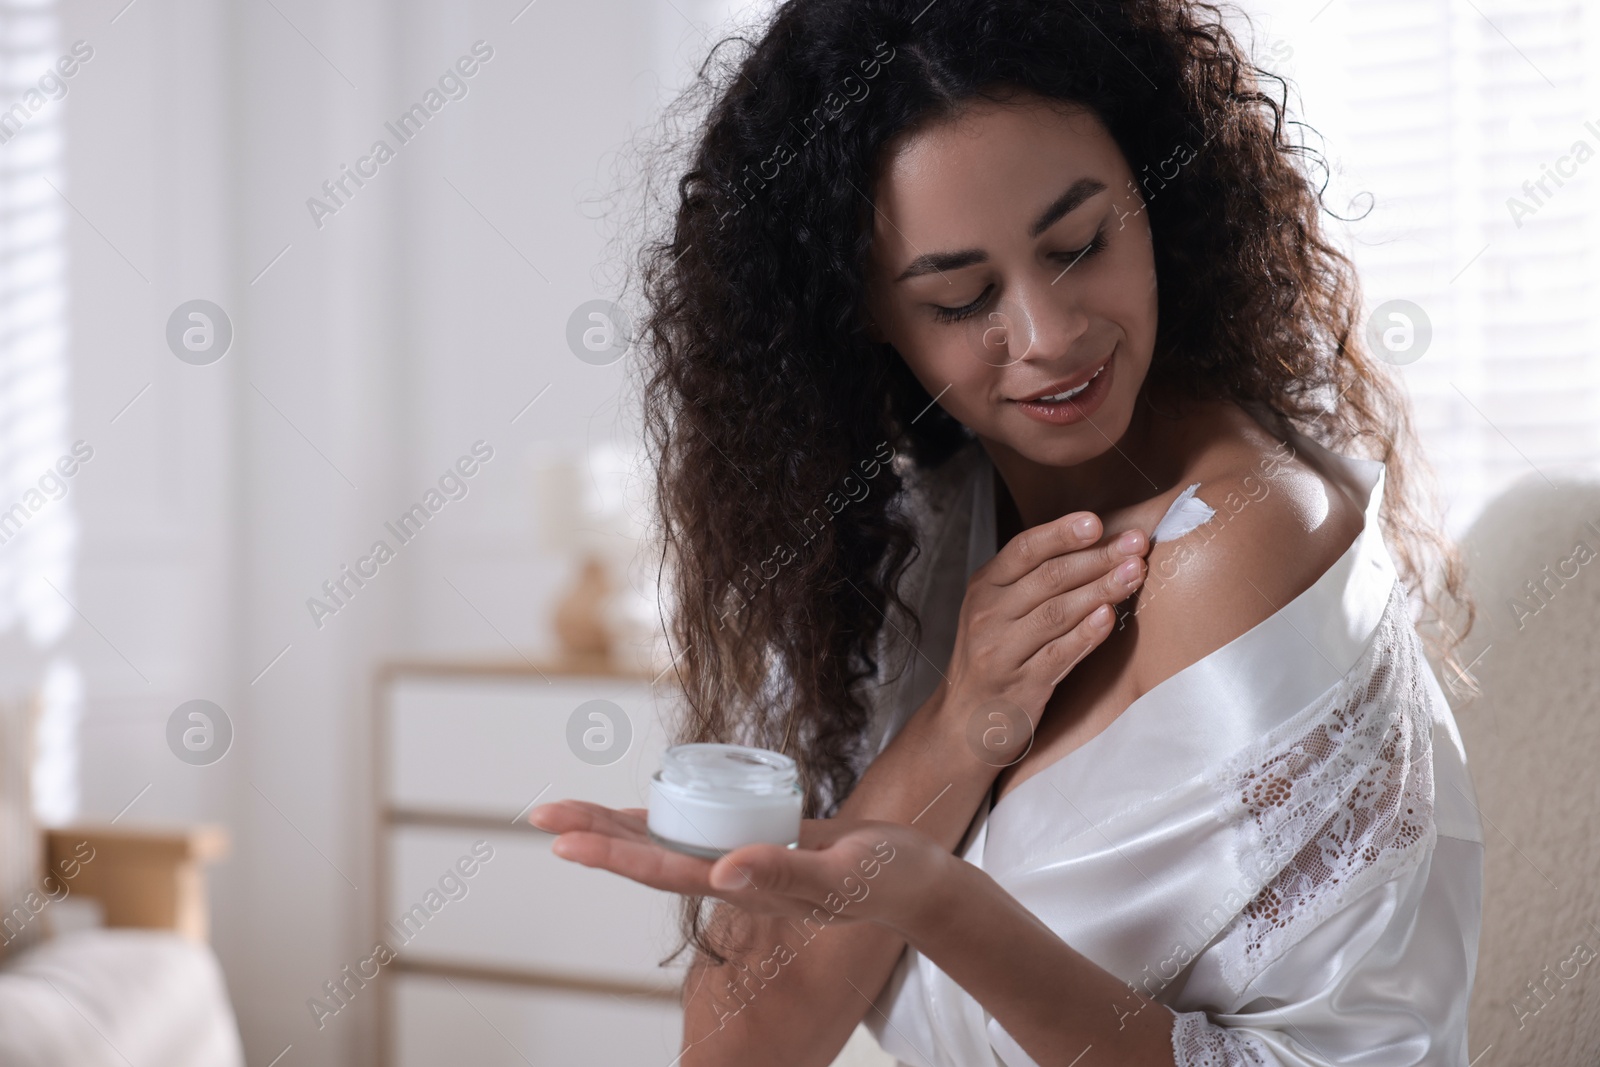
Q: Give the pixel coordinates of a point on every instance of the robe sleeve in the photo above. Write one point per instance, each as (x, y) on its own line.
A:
(1377, 983)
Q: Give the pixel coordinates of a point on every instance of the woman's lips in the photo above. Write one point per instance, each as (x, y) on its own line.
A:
(1080, 406)
(1076, 381)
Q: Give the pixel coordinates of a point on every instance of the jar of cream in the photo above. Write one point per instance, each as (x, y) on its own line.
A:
(708, 799)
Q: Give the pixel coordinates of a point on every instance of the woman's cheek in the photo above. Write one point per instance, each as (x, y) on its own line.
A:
(950, 373)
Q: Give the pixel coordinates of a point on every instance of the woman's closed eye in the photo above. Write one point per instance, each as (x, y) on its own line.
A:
(1069, 259)
(944, 314)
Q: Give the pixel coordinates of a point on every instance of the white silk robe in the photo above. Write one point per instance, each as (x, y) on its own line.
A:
(1278, 845)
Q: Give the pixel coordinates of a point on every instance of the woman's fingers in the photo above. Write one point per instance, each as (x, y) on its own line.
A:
(569, 816)
(807, 874)
(840, 863)
(757, 867)
(820, 833)
(1025, 552)
(617, 840)
(1062, 612)
(769, 879)
(1059, 656)
(1077, 570)
(642, 861)
(816, 835)
(870, 871)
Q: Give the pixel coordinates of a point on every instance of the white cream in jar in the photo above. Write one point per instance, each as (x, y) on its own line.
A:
(708, 799)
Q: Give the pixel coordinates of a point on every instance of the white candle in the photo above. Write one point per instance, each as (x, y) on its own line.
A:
(708, 799)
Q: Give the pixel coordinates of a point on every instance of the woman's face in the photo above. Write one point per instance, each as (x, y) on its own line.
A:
(1011, 261)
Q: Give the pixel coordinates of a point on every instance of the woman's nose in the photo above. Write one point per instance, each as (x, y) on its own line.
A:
(1043, 322)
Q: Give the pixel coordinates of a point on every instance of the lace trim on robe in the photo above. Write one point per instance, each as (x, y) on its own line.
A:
(1335, 800)
(1196, 1042)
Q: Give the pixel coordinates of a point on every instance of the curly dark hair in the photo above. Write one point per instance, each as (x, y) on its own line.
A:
(763, 393)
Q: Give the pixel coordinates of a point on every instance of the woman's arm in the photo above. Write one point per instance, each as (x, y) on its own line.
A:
(1061, 1007)
(1025, 622)
(806, 1014)
(1058, 1006)
(1055, 1003)
(1273, 538)
(794, 993)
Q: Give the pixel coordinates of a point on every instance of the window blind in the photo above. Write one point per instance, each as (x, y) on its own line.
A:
(1471, 129)
(37, 524)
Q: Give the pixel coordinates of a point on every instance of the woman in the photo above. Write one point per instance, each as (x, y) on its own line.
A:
(1055, 580)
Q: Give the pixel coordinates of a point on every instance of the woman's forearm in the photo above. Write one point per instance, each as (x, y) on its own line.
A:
(1053, 1001)
(795, 997)
(927, 775)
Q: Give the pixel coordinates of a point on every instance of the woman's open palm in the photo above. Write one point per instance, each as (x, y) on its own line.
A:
(854, 869)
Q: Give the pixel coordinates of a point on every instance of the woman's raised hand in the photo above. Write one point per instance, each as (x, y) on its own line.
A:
(1030, 614)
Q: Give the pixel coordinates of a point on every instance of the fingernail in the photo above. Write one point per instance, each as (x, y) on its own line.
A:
(1127, 571)
(1129, 541)
(1084, 527)
(728, 878)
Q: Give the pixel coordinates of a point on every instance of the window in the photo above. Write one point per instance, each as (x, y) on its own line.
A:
(37, 527)
(1472, 129)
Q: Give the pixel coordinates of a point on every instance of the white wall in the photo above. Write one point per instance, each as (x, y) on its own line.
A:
(190, 138)
(148, 176)
(365, 360)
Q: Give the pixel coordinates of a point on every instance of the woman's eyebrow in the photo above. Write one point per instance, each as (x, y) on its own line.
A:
(935, 262)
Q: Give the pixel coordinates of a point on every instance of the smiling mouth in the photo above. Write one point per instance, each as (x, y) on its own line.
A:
(1068, 394)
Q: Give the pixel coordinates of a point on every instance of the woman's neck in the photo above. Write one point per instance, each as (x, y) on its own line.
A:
(1142, 463)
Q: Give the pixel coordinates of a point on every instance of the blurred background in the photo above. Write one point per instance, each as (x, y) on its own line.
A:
(238, 350)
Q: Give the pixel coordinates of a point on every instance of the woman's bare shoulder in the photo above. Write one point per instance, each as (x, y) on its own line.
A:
(1278, 523)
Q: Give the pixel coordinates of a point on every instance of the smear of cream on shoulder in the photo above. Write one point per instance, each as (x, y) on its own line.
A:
(1186, 512)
